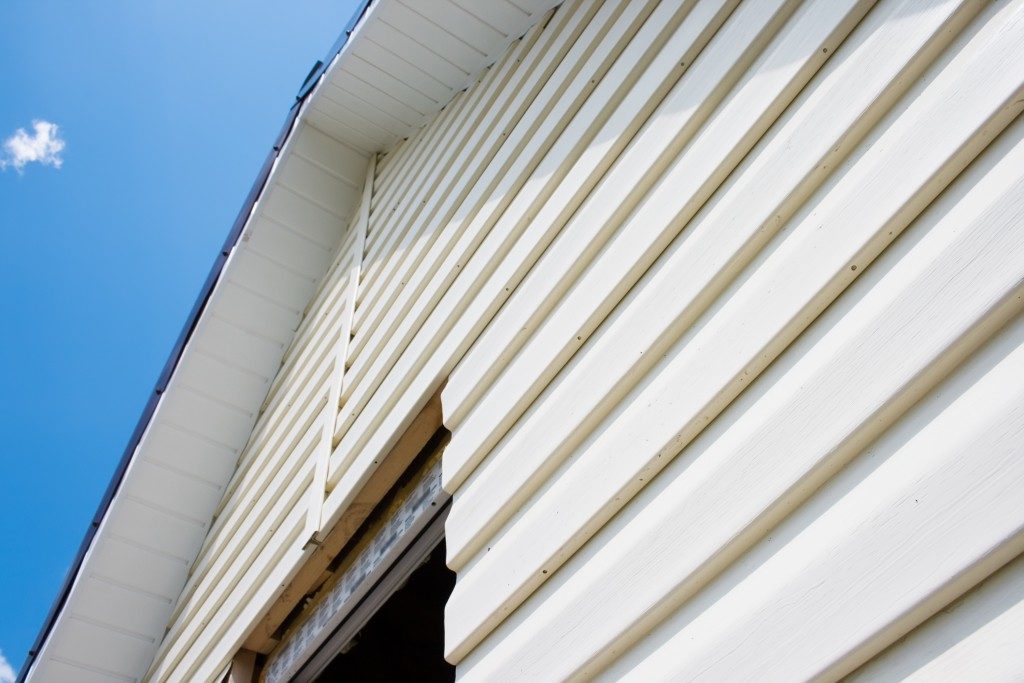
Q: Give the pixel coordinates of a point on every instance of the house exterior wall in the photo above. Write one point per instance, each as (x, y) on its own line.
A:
(723, 301)
(263, 529)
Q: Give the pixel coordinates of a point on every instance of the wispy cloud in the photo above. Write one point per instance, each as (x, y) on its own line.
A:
(6, 670)
(43, 146)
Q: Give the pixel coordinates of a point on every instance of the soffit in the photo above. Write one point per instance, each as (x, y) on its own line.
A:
(407, 60)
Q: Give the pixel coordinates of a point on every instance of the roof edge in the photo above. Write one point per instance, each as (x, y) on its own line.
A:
(195, 314)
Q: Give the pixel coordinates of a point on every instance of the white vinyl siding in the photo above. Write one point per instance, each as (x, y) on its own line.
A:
(720, 193)
(724, 301)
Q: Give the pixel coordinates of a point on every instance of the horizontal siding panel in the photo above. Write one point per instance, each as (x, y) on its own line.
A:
(729, 54)
(258, 583)
(526, 147)
(469, 290)
(882, 347)
(723, 297)
(237, 572)
(833, 114)
(384, 217)
(821, 130)
(453, 137)
(259, 535)
(939, 511)
(976, 636)
(284, 448)
(499, 106)
(622, 121)
(493, 110)
(258, 588)
(850, 221)
(931, 518)
(411, 209)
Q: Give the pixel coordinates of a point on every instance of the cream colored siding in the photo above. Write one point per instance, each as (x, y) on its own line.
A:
(273, 503)
(707, 193)
(723, 299)
(976, 637)
(407, 364)
(739, 334)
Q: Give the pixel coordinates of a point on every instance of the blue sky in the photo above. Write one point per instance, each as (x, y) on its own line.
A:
(167, 109)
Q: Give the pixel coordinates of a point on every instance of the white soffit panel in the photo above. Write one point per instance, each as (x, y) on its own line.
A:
(406, 61)
(124, 591)
(403, 63)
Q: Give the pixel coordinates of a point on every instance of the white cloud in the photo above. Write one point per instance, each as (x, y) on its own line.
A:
(6, 671)
(43, 146)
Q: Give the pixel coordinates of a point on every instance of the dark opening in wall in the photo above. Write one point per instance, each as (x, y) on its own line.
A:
(375, 610)
(404, 640)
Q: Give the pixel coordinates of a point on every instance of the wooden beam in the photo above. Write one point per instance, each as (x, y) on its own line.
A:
(243, 668)
(314, 572)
